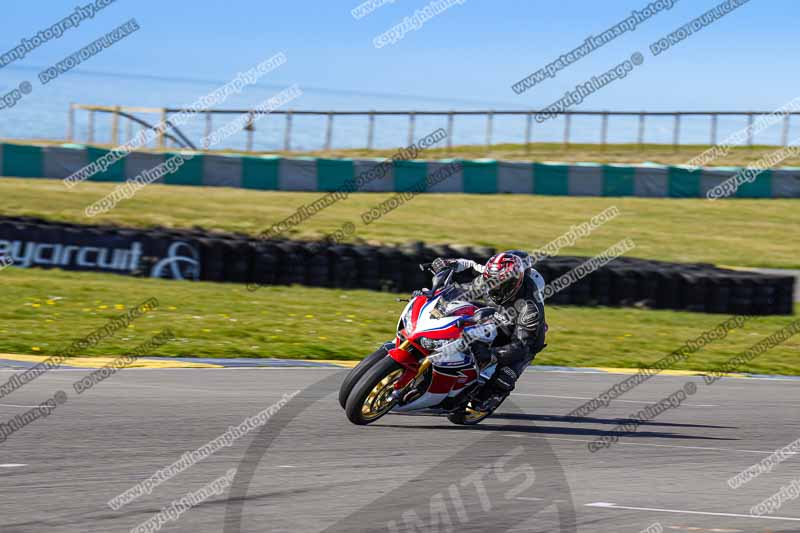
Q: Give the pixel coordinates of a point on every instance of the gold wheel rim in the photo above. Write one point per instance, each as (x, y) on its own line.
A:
(378, 401)
(473, 415)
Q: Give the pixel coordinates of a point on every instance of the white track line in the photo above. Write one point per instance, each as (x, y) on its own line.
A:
(706, 448)
(12, 465)
(13, 405)
(626, 401)
(605, 505)
(698, 375)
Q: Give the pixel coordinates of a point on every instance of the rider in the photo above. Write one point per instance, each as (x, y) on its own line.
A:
(509, 284)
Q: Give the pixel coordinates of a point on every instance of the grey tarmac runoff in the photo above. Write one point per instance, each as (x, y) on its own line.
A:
(311, 470)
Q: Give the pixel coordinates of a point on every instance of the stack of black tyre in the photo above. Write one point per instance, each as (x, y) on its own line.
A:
(238, 258)
(696, 287)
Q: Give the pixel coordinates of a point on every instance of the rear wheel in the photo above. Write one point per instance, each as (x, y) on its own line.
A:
(371, 397)
(359, 370)
(467, 416)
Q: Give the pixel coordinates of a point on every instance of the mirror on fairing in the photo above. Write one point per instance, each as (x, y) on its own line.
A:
(441, 279)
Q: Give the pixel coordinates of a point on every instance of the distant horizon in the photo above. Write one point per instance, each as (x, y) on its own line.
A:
(408, 56)
(469, 52)
(277, 86)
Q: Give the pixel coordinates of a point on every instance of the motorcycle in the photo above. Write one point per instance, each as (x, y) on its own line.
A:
(429, 368)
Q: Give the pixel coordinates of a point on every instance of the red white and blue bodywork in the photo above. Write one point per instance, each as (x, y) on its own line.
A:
(432, 329)
(430, 365)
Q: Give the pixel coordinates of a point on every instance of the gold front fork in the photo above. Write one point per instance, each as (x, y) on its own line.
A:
(423, 367)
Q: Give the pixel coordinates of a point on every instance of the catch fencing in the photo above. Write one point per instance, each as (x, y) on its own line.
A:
(125, 119)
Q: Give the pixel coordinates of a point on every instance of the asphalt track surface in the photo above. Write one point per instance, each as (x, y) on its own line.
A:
(308, 469)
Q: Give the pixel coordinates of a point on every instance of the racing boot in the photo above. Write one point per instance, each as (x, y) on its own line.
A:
(496, 389)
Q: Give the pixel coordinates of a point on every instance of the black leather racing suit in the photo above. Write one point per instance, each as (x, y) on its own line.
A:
(521, 334)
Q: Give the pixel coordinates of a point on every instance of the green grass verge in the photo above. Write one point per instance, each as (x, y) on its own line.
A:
(43, 311)
(734, 232)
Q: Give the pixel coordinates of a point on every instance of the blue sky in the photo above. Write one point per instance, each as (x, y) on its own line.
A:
(472, 52)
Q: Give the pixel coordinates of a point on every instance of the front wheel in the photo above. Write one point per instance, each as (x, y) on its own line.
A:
(371, 397)
(359, 370)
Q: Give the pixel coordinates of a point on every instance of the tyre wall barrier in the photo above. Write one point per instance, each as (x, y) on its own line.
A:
(198, 254)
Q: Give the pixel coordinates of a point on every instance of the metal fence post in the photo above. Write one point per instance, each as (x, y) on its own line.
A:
(90, 139)
(676, 132)
(785, 133)
(713, 129)
(371, 130)
(567, 121)
(449, 131)
(115, 127)
(749, 129)
(411, 122)
(489, 124)
(206, 137)
(640, 137)
(250, 128)
(162, 128)
(329, 132)
(287, 132)
(604, 129)
(528, 131)
(71, 123)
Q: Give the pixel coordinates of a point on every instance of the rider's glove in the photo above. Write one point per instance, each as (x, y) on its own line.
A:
(459, 265)
(440, 264)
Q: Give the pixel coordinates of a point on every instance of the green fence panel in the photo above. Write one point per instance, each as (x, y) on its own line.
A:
(332, 174)
(761, 187)
(114, 172)
(190, 172)
(480, 176)
(260, 172)
(550, 179)
(409, 174)
(683, 183)
(23, 161)
(618, 180)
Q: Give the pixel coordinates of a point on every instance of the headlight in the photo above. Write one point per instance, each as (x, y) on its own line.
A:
(432, 344)
(450, 355)
(406, 319)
